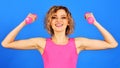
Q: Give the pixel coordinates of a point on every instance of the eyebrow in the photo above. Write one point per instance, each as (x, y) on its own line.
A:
(61, 15)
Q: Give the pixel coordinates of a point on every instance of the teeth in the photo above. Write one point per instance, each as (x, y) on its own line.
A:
(58, 25)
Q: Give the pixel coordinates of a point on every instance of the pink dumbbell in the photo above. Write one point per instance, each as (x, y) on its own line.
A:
(89, 19)
(29, 20)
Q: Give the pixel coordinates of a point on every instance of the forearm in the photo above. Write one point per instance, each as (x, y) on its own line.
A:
(11, 36)
(107, 36)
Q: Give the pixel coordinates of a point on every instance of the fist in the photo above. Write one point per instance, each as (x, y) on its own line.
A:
(90, 18)
(30, 18)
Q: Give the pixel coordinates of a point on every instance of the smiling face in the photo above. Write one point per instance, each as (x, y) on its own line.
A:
(59, 19)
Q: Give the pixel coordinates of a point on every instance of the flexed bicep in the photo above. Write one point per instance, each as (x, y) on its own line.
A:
(10, 42)
(23, 44)
(93, 44)
(108, 42)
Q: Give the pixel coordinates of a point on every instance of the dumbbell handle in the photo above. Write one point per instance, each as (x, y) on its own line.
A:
(89, 19)
(29, 20)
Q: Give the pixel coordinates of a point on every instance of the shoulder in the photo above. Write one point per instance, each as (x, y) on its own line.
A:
(79, 41)
(39, 41)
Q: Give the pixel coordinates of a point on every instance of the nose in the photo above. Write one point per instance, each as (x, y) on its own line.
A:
(59, 19)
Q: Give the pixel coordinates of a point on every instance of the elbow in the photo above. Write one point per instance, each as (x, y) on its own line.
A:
(114, 45)
(5, 45)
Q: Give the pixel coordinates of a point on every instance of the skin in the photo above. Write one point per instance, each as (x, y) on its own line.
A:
(59, 23)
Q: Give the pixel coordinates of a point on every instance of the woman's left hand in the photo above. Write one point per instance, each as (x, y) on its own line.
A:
(88, 17)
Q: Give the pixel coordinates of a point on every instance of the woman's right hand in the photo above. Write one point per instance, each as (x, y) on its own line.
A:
(30, 18)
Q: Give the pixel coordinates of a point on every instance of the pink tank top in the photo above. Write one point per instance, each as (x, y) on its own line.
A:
(60, 56)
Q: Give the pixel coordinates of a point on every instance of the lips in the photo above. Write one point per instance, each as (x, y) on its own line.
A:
(58, 25)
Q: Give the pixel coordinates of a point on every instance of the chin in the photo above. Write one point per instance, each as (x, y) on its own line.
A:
(59, 29)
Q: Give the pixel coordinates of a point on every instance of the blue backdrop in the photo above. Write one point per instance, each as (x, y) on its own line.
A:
(12, 12)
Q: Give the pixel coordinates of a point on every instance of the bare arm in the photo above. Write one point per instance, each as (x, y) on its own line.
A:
(10, 42)
(93, 44)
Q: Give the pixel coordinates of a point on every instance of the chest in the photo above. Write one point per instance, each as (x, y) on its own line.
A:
(61, 50)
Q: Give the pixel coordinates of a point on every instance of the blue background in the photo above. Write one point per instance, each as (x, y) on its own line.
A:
(12, 12)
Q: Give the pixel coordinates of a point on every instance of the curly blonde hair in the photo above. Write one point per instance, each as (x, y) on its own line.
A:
(48, 18)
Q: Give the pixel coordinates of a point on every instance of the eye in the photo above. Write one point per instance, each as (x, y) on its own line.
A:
(64, 17)
(54, 17)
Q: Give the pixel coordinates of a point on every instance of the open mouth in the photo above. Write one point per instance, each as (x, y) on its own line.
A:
(58, 25)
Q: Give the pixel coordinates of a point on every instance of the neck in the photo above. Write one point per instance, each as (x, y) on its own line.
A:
(59, 37)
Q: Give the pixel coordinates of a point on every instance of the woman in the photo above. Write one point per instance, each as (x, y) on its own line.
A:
(59, 51)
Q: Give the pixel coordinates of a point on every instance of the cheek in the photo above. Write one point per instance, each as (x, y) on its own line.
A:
(66, 22)
(52, 22)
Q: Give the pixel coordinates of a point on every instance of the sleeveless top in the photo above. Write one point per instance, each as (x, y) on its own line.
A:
(60, 56)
